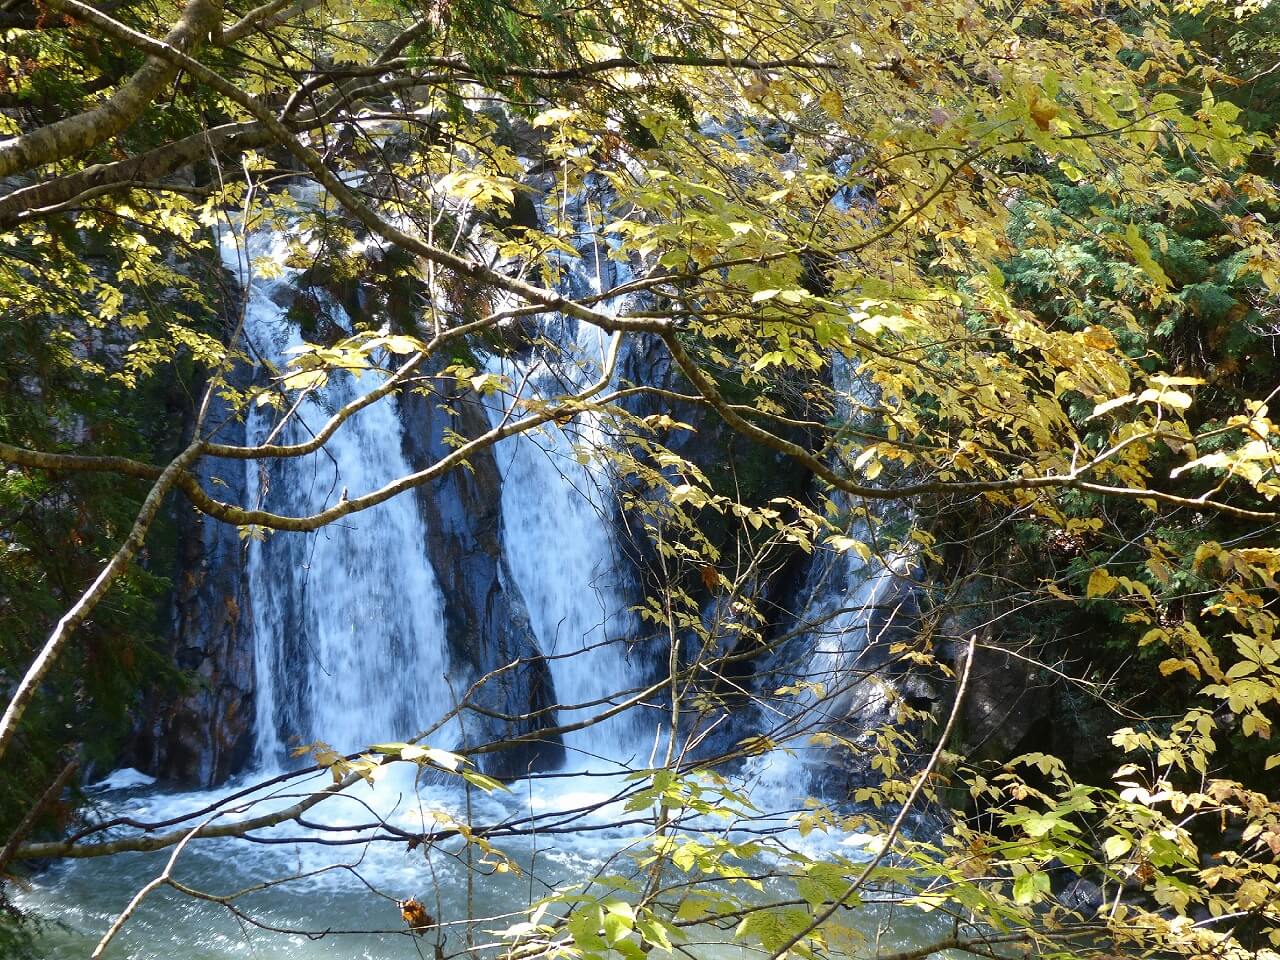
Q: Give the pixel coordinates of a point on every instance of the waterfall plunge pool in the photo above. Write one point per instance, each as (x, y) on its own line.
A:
(339, 899)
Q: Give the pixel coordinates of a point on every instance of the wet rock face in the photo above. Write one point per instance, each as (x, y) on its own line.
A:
(1081, 895)
(486, 623)
(1007, 706)
(206, 736)
(733, 464)
(203, 734)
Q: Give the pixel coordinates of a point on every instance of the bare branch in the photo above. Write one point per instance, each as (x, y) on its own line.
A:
(471, 269)
(141, 895)
(33, 814)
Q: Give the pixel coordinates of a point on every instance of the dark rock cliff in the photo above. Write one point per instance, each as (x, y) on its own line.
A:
(486, 622)
(202, 734)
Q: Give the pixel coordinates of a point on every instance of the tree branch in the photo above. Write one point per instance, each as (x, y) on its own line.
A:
(141, 895)
(152, 842)
(73, 135)
(706, 386)
(22, 829)
(471, 269)
(79, 612)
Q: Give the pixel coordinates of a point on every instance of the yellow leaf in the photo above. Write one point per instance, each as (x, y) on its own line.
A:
(1142, 255)
(832, 103)
(1107, 405)
(1100, 583)
(1116, 847)
(1042, 111)
(1174, 399)
(1099, 338)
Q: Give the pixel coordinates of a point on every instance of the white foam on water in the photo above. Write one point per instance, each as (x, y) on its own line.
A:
(126, 778)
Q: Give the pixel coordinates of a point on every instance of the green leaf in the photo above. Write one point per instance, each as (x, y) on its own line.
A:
(822, 883)
(621, 908)
(615, 928)
(693, 908)
(1030, 887)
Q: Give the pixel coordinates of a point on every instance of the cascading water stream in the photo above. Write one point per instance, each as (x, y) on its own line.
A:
(847, 602)
(558, 511)
(348, 621)
(350, 647)
(562, 557)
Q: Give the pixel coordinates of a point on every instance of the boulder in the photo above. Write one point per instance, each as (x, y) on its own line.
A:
(1081, 895)
(1006, 707)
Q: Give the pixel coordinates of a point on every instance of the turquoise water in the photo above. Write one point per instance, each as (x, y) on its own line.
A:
(339, 900)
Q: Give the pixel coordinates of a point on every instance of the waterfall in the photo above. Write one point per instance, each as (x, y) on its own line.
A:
(349, 630)
(847, 609)
(844, 589)
(559, 516)
(348, 620)
(349, 625)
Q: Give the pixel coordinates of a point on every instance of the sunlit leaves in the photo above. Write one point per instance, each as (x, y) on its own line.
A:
(479, 190)
(866, 250)
(1030, 887)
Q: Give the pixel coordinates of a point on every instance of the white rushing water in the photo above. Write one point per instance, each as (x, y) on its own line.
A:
(555, 523)
(558, 522)
(348, 621)
(350, 647)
